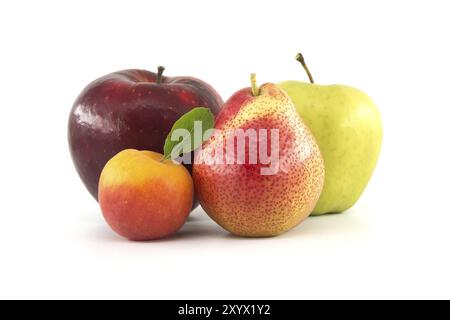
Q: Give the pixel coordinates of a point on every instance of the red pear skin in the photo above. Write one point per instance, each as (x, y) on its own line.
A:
(237, 196)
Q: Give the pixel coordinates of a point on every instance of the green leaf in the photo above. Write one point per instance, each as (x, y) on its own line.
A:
(183, 137)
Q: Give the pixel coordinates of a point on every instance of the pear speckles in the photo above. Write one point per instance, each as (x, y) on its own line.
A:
(238, 197)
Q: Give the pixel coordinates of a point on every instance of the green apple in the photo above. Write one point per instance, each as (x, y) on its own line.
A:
(347, 127)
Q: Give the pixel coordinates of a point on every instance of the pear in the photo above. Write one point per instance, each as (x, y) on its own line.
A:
(347, 126)
(261, 172)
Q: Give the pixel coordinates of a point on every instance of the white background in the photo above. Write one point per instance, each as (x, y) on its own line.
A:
(393, 244)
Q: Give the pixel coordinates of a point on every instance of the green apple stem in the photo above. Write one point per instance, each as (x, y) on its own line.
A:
(255, 88)
(159, 75)
(300, 59)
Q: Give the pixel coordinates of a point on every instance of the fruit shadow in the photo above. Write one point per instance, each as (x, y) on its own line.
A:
(350, 222)
(332, 224)
(200, 226)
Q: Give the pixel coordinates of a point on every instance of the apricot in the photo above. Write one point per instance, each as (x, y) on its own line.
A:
(143, 197)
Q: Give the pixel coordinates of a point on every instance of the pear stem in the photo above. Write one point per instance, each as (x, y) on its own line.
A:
(300, 59)
(255, 88)
(159, 75)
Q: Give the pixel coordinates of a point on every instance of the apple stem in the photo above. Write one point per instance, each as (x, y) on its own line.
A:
(300, 59)
(159, 75)
(255, 88)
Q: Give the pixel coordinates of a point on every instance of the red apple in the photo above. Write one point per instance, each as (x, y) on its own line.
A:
(130, 109)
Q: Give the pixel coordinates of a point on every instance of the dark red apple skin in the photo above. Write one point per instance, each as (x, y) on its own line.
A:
(128, 109)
